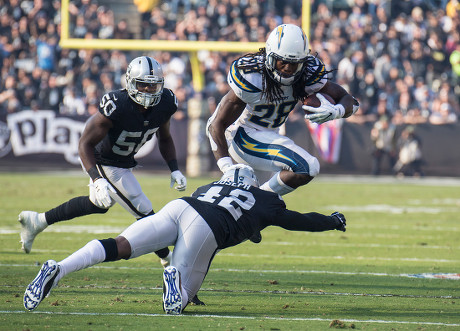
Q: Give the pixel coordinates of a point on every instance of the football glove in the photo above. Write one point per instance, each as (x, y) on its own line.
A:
(224, 163)
(177, 177)
(102, 189)
(326, 112)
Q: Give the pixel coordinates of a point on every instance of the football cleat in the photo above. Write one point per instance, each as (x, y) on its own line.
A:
(342, 225)
(172, 296)
(41, 286)
(197, 302)
(31, 226)
(256, 238)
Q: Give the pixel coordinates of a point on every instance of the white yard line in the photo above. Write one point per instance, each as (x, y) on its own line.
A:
(360, 258)
(377, 274)
(231, 317)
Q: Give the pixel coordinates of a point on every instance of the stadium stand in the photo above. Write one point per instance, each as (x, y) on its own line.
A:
(399, 58)
(396, 51)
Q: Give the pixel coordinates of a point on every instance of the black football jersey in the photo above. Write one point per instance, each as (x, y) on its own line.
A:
(131, 128)
(235, 212)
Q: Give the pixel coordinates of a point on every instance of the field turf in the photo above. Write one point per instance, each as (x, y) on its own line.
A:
(379, 275)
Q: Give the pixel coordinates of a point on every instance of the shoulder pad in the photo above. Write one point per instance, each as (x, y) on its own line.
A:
(112, 101)
(245, 75)
(316, 71)
(168, 102)
(169, 95)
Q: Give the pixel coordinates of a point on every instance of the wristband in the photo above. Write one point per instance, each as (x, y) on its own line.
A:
(224, 162)
(94, 174)
(341, 110)
(173, 165)
(355, 106)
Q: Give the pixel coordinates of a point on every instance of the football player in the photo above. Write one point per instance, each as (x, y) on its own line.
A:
(126, 120)
(265, 88)
(218, 215)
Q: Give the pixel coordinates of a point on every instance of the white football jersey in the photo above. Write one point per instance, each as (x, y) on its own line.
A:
(260, 113)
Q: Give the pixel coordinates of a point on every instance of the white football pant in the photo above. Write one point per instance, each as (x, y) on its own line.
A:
(180, 225)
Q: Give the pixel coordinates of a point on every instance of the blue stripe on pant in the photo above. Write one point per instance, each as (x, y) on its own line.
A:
(271, 152)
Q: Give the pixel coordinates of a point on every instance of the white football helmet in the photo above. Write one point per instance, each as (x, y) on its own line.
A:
(241, 174)
(145, 70)
(287, 42)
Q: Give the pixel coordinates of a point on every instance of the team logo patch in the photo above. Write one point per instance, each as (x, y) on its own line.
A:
(280, 34)
(272, 152)
(240, 81)
(451, 276)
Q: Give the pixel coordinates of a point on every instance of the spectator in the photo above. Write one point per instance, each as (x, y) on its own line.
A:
(384, 139)
(409, 161)
(397, 39)
(442, 113)
(46, 52)
(51, 94)
(9, 102)
(454, 60)
(72, 103)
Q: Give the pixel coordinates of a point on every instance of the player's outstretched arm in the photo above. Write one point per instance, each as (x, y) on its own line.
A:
(311, 222)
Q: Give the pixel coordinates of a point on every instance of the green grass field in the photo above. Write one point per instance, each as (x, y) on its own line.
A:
(359, 279)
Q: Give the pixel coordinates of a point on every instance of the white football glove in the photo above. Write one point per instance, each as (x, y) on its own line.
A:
(177, 177)
(224, 163)
(326, 112)
(102, 189)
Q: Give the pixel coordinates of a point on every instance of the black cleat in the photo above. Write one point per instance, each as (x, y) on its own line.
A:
(197, 302)
(342, 222)
(256, 238)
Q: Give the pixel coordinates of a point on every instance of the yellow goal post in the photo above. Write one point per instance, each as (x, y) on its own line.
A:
(192, 47)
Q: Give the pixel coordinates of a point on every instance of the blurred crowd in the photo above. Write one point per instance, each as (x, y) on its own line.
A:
(401, 59)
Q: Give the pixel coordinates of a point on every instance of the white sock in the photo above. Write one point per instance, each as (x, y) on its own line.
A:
(90, 254)
(275, 184)
(42, 224)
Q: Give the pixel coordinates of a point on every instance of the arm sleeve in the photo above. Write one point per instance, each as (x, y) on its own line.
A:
(312, 222)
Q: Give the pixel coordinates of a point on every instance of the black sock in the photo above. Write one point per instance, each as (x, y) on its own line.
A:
(76, 207)
(162, 253)
(111, 249)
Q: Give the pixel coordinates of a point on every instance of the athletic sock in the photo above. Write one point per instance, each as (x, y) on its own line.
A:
(76, 207)
(275, 184)
(90, 254)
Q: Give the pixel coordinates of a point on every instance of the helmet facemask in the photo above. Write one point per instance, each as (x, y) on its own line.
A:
(287, 43)
(145, 72)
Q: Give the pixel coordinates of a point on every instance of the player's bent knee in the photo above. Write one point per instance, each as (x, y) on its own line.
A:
(110, 248)
(302, 179)
(124, 248)
(116, 249)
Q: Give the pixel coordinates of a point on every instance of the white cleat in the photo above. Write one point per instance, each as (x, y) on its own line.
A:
(31, 226)
(172, 296)
(41, 286)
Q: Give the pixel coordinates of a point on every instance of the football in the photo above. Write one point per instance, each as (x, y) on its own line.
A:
(313, 101)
